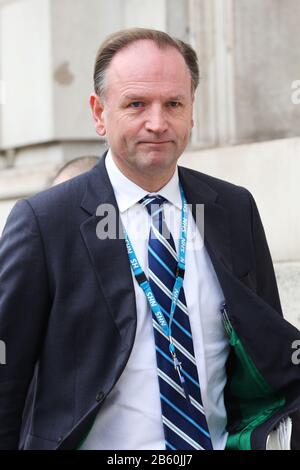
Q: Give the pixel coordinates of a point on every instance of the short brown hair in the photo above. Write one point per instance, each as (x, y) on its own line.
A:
(117, 41)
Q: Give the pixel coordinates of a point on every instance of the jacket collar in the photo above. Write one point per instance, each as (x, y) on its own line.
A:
(216, 224)
(109, 255)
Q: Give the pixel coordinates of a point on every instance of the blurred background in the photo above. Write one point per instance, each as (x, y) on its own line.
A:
(247, 109)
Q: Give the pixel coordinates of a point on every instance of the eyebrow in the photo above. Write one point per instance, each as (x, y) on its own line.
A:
(143, 97)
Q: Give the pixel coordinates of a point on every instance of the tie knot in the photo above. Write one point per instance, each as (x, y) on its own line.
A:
(152, 203)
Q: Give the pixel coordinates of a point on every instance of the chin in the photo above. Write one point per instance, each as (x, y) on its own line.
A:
(157, 160)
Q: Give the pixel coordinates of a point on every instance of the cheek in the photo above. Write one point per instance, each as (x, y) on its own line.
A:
(129, 128)
(120, 135)
(183, 121)
(183, 129)
(126, 124)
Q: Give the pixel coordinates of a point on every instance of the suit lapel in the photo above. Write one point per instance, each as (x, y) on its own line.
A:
(109, 256)
(216, 224)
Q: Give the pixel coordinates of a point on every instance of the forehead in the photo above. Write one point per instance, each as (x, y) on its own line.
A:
(144, 65)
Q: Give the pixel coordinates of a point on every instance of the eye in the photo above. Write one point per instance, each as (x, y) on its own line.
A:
(136, 104)
(174, 104)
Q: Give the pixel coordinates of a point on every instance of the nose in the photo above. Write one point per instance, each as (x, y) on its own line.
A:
(156, 120)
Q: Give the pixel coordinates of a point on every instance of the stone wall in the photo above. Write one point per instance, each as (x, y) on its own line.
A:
(288, 279)
(247, 108)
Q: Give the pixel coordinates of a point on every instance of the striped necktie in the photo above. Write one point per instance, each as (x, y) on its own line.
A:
(184, 421)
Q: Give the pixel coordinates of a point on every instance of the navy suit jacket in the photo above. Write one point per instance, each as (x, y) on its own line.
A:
(68, 311)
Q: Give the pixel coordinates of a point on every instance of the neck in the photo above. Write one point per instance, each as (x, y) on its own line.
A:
(152, 186)
(152, 181)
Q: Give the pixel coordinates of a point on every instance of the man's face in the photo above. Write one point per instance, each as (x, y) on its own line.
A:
(146, 111)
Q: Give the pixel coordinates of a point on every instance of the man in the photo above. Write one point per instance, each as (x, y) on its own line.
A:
(156, 342)
(74, 167)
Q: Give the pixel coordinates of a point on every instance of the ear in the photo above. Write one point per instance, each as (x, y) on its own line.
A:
(97, 108)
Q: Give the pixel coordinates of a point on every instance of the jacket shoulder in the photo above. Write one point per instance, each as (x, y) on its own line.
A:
(224, 190)
(67, 194)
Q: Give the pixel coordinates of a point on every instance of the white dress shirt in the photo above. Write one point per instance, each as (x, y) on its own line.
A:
(130, 417)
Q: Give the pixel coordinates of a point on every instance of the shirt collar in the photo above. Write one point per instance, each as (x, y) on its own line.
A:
(128, 193)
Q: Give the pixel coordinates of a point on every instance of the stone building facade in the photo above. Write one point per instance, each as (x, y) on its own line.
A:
(247, 109)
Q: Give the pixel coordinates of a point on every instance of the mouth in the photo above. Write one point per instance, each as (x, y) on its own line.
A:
(160, 142)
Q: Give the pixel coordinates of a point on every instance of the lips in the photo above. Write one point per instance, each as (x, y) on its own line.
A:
(160, 142)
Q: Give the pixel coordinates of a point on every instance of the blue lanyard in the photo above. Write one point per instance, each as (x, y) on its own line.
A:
(145, 285)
